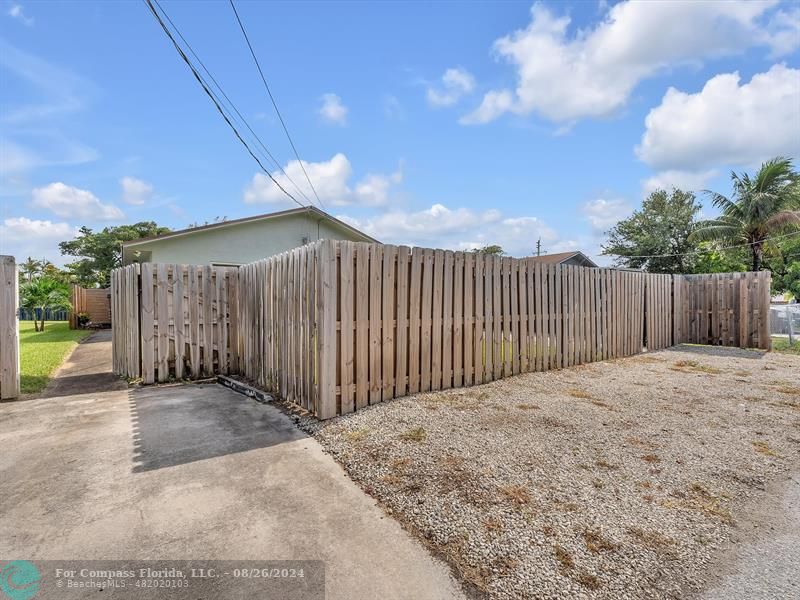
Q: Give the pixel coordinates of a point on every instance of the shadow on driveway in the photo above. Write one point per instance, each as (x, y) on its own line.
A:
(178, 424)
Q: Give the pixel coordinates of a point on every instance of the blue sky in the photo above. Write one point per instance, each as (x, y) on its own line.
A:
(437, 124)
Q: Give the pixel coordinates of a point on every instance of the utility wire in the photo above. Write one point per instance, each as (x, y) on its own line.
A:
(274, 104)
(776, 237)
(231, 104)
(215, 100)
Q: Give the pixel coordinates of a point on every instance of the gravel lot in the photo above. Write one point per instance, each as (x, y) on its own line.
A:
(609, 480)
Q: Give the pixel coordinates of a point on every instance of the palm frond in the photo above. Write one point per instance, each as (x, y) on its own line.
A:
(786, 219)
(715, 230)
(728, 207)
(774, 172)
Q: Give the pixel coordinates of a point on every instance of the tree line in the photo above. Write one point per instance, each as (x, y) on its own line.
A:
(758, 228)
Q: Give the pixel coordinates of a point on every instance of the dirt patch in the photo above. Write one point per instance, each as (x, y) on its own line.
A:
(612, 480)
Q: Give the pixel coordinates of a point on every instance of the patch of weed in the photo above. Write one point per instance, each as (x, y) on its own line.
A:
(357, 435)
(518, 494)
(596, 542)
(652, 539)
(589, 581)
(564, 557)
(763, 448)
(493, 524)
(417, 434)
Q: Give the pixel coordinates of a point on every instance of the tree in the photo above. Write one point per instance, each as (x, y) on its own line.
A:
(783, 259)
(712, 259)
(44, 293)
(661, 227)
(492, 249)
(760, 209)
(29, 269)
(101, 252)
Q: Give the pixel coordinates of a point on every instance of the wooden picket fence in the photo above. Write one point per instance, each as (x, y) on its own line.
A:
(174, 321)
(286, 323)
(723, 309)
(9, 328)
(336, 326)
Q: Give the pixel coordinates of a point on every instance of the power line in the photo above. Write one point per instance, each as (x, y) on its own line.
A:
(777, 237)
(215, 100)
(275, 104)
(231, 104)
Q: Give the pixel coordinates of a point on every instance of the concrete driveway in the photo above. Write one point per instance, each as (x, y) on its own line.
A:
(191, 472)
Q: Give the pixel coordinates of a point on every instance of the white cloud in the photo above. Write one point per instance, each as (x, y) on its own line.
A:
(63, 91)
(73, 203)
(22, 237)
(688, 181)
(332, 109)
(566, 75)
(18, 158)
(783, 33)
(16, 11)
(725, 123)
(135, 191)
(456, 83)
(392, 108)
(494, 104)
(373, 189)
(458, 229)
(603, 213)
(331, 181)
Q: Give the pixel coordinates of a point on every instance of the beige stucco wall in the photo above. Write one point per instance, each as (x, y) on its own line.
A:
(240, 243)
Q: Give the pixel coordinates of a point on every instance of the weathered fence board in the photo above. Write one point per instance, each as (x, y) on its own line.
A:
(9, 328)
(722, 309)
(174, 321)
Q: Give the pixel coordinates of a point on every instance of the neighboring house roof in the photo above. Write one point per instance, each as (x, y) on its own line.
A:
(559, 258)
(311, 210)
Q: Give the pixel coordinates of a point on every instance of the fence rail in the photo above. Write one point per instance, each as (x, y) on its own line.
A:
(9, 328)
(336, 326)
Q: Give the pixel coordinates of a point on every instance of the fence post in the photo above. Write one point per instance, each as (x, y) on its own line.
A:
(9, 328)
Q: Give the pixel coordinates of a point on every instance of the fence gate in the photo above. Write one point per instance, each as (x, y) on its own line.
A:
(723, 309)
(174, 321)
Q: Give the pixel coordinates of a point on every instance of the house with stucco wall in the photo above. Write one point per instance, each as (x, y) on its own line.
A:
(241, 241)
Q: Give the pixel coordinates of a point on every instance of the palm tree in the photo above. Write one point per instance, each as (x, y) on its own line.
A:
(29, 268)
(759, 209)
(43, 293)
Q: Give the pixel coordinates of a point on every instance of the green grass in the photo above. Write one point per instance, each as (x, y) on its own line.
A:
(781, 344)
(40, 353)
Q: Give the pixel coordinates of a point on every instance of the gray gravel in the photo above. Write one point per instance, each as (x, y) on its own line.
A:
(610, 480)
